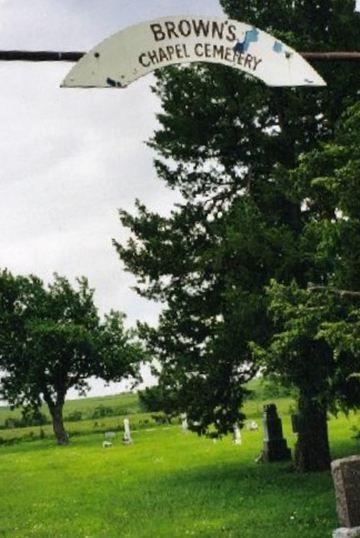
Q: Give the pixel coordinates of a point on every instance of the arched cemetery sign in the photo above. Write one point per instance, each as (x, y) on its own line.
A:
(138, 50)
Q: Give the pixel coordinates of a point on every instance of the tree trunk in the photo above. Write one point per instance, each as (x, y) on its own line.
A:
(58, 424)
(312, 451)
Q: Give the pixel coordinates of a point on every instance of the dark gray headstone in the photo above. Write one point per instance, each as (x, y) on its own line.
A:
(275, 447)
(346, 476)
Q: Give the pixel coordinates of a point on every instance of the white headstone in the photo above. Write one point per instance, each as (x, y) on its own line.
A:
(252, 426)
(184, 422)
(357, 6)
(127, 433)
(236, 434)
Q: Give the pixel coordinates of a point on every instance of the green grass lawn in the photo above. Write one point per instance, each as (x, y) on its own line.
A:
(167, 484)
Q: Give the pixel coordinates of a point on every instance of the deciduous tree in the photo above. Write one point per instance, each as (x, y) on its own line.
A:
(52, 339)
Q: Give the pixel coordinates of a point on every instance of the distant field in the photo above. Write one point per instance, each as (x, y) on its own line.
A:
(128, 403)
(125, 403)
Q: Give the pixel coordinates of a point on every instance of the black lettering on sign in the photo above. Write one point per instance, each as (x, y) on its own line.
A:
(219, 51)
(256, 63)
(204, 51)
(231, 36)
(186, 54)
(201, 27)
(217, 30)
(198, 27)
(240, 58)
(162, 55)
(199, 51)
(142, 59)
(153, 57)
(171, 32)
(179, 51)
(185, 28)
(158, 32)
(248, 61)
(229, 54)
(170, 50)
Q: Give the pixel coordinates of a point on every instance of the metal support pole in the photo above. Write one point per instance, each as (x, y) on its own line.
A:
(48, 56)
(39, 56)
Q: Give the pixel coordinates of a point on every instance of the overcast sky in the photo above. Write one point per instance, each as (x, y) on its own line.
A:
(71, 158)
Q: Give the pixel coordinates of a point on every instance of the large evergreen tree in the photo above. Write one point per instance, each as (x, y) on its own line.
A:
(316, 346)
(226, 142)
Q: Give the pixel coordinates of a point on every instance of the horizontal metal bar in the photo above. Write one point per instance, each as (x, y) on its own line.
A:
(39, 56)
(331, 56)
(48, 56)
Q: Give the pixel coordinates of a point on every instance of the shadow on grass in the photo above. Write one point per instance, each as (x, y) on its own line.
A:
(263, 477)
(243, 500)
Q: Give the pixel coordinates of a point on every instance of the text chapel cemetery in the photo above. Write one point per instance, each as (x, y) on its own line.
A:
(201, 50)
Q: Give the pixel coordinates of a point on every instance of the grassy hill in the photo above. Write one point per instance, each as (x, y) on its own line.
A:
(128, 403)
(122, 404)
(90, 415)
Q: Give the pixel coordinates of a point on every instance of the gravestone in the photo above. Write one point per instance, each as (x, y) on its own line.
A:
(275, 447)
(184, 422)
(252, 426)
(127, 440)
(346, 476)
(236, 435)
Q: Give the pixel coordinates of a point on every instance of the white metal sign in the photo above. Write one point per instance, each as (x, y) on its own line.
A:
(138, 50)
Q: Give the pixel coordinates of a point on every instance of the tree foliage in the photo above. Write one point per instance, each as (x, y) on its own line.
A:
(154, 399)
(227, 143)
(315, 346)
(52, 339)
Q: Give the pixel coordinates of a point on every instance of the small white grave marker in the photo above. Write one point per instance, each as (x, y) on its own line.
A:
(236, 434)
(184, 422)
(252, 426)
(127, 440)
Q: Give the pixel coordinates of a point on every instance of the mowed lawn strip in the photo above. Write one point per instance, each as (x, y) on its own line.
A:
(166, 484)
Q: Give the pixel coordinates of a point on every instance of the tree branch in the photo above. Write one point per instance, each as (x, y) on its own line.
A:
(341, 293)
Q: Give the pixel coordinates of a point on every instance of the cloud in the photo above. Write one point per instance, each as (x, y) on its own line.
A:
(71, 158)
